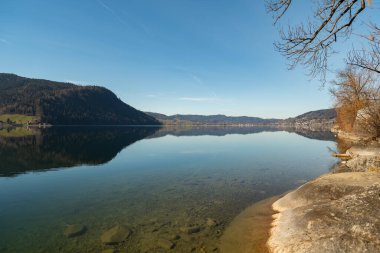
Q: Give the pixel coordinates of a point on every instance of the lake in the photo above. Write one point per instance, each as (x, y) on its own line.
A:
(157, 182)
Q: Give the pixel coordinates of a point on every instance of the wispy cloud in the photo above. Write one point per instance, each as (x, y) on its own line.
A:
(78, 82)
(111, 11)
(200, 85)
(191, 74)
(121, 19)
(140, 25)
(191, 152)
(197, 79)
(4, 41)
(198, 99)
(155, 95)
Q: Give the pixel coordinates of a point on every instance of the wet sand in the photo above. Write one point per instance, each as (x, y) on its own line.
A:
(250, 230)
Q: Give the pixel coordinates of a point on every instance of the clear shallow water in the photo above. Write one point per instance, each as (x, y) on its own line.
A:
(144, 178)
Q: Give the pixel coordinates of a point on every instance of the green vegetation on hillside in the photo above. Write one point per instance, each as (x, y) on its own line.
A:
(18, 119)
(66, 104)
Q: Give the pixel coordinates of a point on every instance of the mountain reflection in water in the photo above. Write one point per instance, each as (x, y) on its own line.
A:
(59, 147)
(62, 147)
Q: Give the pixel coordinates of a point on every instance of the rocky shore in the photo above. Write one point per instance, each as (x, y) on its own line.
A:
(334, 213)
(337, 212)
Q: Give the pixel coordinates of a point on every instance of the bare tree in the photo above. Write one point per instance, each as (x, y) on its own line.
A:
(357, 97)
(352, 87)
(372, 121)
(368, 58)
(311, 42)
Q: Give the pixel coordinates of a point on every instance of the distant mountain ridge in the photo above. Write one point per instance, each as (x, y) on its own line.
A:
(325, 115)
(209, 119)
(61, 103)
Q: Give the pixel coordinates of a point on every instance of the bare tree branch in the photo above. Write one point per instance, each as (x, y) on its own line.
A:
(311, 43)
(278, 7)
(368, 58)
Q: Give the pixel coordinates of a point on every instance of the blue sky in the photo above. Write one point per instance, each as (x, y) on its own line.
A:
(167, 56)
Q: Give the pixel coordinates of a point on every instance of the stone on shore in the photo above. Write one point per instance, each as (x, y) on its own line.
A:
(74, 230)
(364, 150)
(334, 213)
(116, 235)
(364, 158)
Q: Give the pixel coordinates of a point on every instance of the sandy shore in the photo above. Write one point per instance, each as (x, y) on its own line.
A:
(250, 230)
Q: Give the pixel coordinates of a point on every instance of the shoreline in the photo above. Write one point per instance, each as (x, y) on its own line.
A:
(333, 213)
(336, 212)
(250, 230)
(303, 221)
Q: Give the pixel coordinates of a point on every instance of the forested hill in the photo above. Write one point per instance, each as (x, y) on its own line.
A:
(66, 104)
(210, 119)
(314, 120)
(326, 116)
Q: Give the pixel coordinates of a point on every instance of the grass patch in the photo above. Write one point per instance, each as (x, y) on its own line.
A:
(16, 132)
(18, 118)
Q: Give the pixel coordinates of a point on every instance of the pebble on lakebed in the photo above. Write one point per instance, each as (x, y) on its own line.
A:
(211, 223)
(74, 230)
(109, 251)
(165, 244)
(116, 235)
(190, 230)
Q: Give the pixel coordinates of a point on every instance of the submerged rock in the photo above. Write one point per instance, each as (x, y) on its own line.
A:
(116, 235)
(74, 230)
(211, 223)
(334, 213)
(109, 251)
(165, 244)
(190, 230)
(174, 237)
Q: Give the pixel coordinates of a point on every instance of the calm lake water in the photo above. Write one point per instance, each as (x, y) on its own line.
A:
(154, 181)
